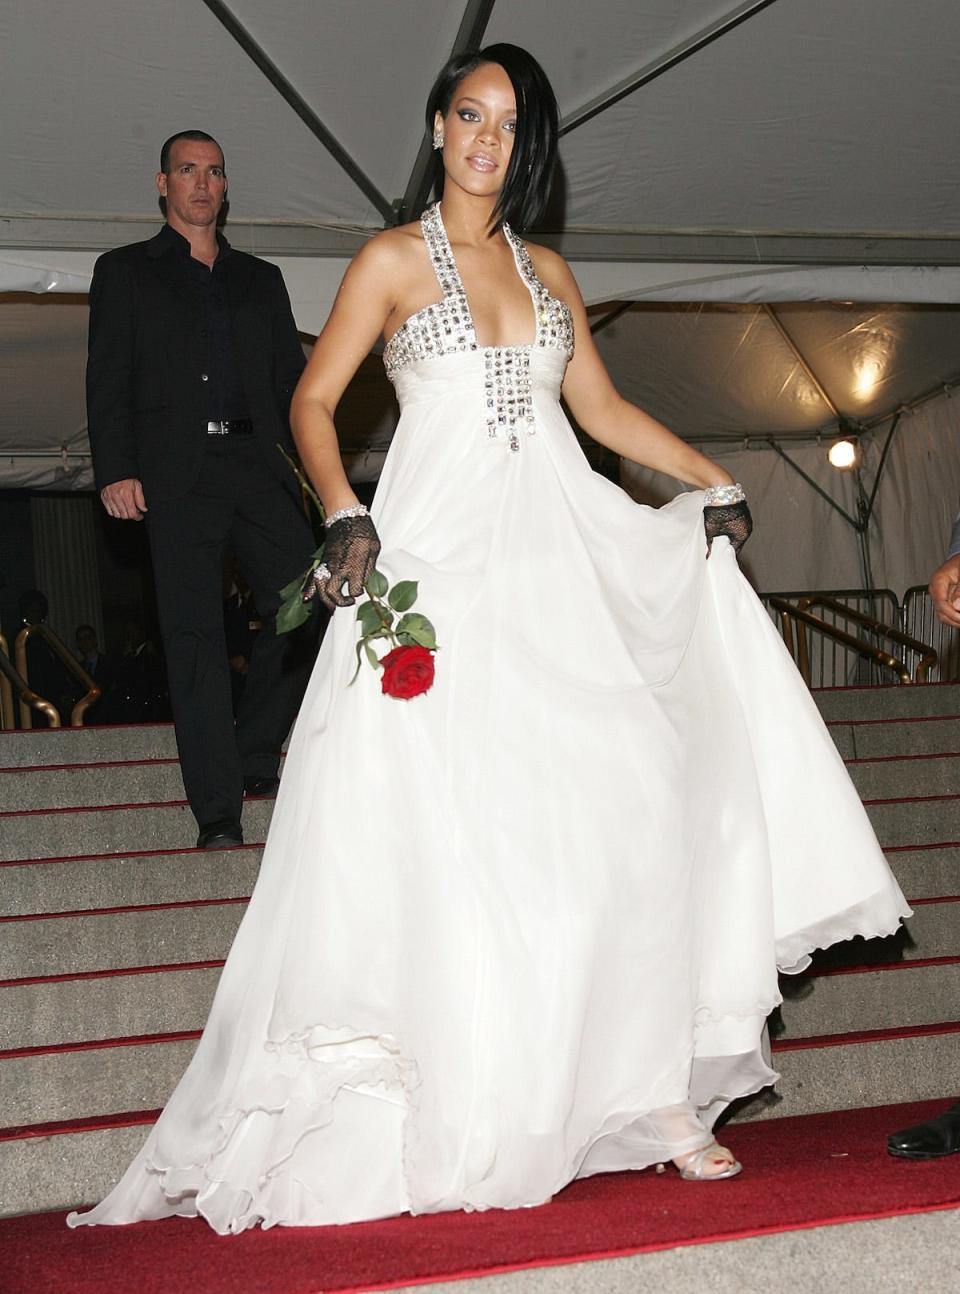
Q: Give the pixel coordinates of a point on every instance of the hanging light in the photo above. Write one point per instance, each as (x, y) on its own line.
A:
(844, 454)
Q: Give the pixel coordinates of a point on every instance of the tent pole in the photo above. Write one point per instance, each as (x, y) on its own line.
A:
(663, 63)
(300, 106)
(813, 484)
(883, 462)
(473, 24)
(611, 316)
(863, 530)
(802, 361)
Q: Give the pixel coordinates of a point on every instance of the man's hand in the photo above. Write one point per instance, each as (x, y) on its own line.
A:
(945, 592)
(124, 499)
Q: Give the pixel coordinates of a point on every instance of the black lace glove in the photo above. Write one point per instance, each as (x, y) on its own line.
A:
(350, 553)
(729, 515)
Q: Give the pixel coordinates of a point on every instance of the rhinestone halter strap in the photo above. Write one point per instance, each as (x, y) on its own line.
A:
(447, 327)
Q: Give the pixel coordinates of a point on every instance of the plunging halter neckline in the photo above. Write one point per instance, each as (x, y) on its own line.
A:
(445, 267)
(446, 328)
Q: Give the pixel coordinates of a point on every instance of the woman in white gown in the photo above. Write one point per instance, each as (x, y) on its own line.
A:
(526, 926)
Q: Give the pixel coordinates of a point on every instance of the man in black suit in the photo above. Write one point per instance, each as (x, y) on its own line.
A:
(941, 1135)
(193, 359)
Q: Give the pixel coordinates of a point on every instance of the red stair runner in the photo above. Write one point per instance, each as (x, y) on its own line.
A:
(799, 1172)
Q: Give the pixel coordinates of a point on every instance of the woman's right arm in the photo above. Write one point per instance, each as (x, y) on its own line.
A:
(362, 306)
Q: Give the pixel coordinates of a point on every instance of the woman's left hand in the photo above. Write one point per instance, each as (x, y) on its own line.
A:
(731, 519)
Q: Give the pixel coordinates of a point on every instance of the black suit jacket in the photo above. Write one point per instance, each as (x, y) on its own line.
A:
(146, 411)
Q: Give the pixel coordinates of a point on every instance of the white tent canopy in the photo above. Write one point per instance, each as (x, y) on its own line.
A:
(735, 154)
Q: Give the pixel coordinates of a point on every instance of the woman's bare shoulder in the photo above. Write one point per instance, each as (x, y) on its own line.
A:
(553, 271)
(392, 250)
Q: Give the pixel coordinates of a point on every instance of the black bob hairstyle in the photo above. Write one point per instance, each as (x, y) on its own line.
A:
(529, 176)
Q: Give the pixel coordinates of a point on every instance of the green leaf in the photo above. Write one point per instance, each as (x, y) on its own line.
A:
(369, 616)
(419, 629)
(403, 595)
(293, 612)
(377, 584)
(372, 656)
(299, 584)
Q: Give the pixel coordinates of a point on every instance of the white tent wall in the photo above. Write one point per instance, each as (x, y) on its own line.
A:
(800, 542)
(919, 494)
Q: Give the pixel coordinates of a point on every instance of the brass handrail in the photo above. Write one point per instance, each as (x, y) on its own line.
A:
(12, 682)
(928, 656)
(6, 689)
(72, 664)
(790, 612)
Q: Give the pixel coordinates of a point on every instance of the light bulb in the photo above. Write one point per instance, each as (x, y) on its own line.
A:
(843, 454)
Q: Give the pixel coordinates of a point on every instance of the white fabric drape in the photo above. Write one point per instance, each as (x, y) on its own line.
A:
(800, 542)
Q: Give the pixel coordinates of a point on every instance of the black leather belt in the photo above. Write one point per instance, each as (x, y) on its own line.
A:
(230, 427)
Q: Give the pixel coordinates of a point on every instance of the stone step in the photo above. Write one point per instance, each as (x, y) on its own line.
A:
(44, 746)
(847, 1072)
(904, 993)
(115, 880)
(915, 821)
(896, 737)
(886, 777)
(71, 1084)
(86, 1008)
(93, 785)
(111, 940)
(121, 880)
(64, 1167)
(926, 871)
(143, 1001)
(71, 833)
(915, 700)
(201, 930)
(139, 1067)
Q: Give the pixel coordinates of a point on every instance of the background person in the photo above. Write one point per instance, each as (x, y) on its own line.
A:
(193, 358)
(941, 1135)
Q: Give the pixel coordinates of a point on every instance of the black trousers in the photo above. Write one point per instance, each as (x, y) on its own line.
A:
(237, 501)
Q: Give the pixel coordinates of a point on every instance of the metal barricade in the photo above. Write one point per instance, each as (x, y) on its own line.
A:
(920, 621)
(832, 663)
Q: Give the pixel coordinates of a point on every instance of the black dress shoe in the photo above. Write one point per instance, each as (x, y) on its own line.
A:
(265, 786)
(222, 834)
(930, 1140)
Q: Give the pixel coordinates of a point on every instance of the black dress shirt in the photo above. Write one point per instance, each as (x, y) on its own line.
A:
(225, 396)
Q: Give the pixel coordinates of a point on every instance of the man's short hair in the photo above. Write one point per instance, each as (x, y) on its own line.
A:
(200, 135)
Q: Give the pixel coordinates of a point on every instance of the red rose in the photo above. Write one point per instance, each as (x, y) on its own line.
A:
(407, 671)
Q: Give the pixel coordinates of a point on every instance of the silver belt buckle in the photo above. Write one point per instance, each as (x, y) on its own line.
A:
(218, 429)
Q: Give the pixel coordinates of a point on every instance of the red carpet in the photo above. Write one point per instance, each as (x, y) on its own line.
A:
(799, 1172)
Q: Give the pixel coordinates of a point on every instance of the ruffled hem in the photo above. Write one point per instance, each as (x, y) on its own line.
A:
(874, 918)
(251, 1175)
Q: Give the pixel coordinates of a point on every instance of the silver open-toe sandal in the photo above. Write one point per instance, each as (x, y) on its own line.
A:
(694, 1168)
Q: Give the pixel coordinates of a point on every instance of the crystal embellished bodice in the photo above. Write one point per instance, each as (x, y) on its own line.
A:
(446, 328)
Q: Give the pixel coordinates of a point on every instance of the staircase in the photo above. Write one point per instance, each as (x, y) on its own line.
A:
(113, 929)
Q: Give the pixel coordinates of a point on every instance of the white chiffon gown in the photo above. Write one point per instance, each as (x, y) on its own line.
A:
(516, 930)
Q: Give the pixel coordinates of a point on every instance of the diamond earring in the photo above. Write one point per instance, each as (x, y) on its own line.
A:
(437, 139)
